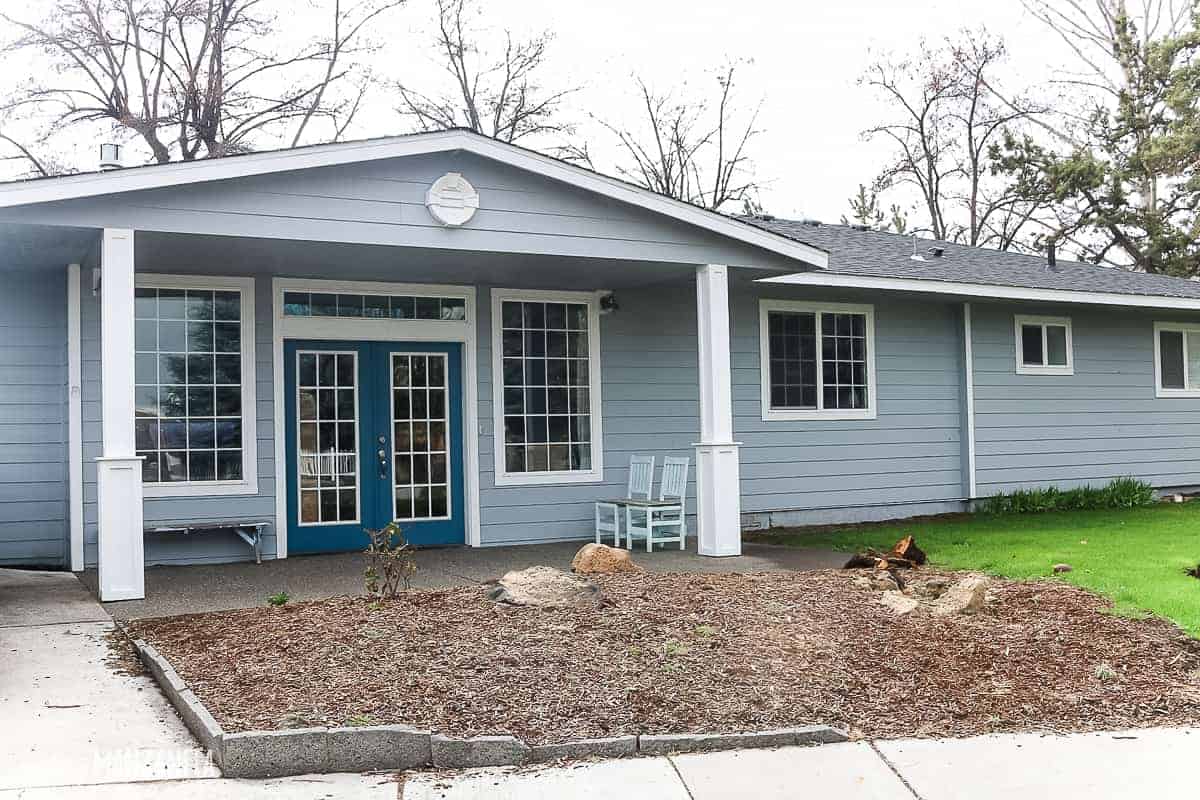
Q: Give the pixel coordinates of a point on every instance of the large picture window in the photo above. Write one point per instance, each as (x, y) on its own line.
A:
(817, 360)
(1176, 360)
(547, 387)
(193, 375)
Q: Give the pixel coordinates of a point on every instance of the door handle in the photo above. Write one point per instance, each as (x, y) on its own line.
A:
(383, 457)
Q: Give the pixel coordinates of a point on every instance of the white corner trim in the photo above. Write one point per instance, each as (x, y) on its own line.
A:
(249, 483)
(969, 374)
(769, 414)
(75, 417)
(1043, 369)
(1188, 331)
(361, 330)
(959, 289)
(180, 174)
(596, 473)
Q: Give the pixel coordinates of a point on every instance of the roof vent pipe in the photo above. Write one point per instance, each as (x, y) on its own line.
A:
(110, 156)
(1051, 258)
(915, 255)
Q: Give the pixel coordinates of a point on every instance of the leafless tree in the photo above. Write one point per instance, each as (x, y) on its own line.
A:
(192, 78)
(691, 148)
(494, 87)
(945, 118)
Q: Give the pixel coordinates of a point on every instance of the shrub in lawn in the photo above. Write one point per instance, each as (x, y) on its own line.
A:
(390, 562)
(1119, 493)
(279, 599)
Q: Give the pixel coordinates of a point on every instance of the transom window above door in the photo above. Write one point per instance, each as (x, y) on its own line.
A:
(547, 391)
(1044, 346)
(373, 306)
(818, 360)
(194, 385)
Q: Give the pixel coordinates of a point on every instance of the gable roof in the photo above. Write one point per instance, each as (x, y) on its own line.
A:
(876, 259)
(91, 184)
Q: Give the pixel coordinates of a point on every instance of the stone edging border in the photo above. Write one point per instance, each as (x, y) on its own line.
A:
(299, 751)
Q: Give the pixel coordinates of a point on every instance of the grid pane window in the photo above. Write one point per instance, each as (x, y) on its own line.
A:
(373, 306)
(327, 419)
(188, 384)
(421, 436)
(817, 360)
(546, 386)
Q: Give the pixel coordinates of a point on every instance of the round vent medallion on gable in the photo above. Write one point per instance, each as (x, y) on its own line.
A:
(452, 200)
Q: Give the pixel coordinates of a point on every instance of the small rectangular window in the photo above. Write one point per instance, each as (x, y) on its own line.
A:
(816, 360)
(1177, 360)
(1044, 346)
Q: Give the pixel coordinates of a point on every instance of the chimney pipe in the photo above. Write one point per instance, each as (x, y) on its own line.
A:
(1051, 261)
(110, 156)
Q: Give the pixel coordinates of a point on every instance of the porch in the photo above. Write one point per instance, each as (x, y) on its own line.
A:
(197, 588)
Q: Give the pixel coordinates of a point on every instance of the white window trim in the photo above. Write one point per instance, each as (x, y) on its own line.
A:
(770, 414)
(249, 483)
(371, 330)
(1043, 369)
(1186, 330)
(596, 473)
(358, 477)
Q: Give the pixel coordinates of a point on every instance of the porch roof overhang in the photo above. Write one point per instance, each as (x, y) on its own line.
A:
(24, 198)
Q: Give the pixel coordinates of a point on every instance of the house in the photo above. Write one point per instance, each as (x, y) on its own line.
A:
(475, 338)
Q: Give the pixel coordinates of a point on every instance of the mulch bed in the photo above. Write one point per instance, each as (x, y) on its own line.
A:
(689, 652)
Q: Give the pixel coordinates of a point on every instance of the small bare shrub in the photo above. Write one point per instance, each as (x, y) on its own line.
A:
(391, 562)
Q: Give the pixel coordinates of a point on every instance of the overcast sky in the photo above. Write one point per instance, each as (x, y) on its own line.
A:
(805, 59)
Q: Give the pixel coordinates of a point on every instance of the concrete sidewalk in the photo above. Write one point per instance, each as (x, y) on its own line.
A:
(1137, 764)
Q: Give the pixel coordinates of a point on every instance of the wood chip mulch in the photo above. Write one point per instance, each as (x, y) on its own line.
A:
(689, 652)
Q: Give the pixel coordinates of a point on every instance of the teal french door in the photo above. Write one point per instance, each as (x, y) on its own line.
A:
(374, 434)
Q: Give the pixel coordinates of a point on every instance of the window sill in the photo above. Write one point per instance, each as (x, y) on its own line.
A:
(214, 489)
(548, 478)
(1024, 369)
(799, 414)
(1177, 393)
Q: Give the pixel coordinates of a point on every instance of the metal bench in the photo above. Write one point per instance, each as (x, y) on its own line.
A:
(249, 532)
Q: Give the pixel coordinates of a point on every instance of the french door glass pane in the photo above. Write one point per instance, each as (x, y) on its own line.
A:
(420, 442)
(327, 416)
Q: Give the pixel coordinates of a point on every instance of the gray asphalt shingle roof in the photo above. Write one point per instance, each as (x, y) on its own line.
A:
(867, 253)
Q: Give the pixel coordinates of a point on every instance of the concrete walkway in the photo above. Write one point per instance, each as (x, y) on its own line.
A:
(216, 587)
(1138, 764)
(71, 727)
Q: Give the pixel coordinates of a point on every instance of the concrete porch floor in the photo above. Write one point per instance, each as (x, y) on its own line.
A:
(215, 587)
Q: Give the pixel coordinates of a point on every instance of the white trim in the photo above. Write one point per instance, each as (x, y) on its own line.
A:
(1187, 330)
(181, 174)
(933, 286)
(248, 485)
(769, 414)
(75, 417)
(596, 473)
(358, 431)
(969, 374)
(371, 329)
(1045, 368)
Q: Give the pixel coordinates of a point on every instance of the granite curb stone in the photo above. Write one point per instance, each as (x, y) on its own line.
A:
(480, 751)
(378, 747)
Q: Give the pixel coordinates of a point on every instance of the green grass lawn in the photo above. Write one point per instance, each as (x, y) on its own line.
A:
(1135, 557)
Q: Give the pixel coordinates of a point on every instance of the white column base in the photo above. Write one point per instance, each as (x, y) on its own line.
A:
(121, 553)
(718, 499)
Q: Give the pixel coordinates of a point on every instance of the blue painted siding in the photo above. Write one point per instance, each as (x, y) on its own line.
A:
(1101, 423)
(907, 461)
(33, 419)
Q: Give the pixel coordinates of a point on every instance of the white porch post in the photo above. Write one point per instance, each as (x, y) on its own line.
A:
(718, 491)
(118, 470)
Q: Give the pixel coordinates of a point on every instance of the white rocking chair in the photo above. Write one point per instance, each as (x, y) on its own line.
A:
(668, 511)
(608, 512)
